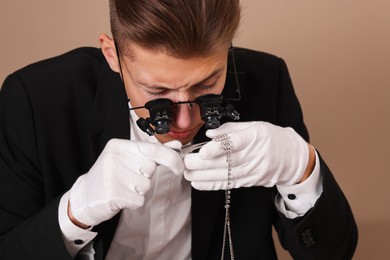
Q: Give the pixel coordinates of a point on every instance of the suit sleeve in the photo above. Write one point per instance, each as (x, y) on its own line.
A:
(328, 230)
(29, 226)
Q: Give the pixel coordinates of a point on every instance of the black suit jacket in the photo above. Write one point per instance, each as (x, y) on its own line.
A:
(56, 117)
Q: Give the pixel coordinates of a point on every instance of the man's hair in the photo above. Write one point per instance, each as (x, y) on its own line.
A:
(181, 28)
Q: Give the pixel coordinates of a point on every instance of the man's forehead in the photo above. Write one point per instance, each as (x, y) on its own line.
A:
(132, 51)
(150, 83)
(161, 63)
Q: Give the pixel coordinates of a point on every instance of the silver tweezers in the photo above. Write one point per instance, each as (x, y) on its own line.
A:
(189, 148)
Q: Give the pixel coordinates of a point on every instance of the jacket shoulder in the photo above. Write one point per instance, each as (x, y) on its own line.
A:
(75, 59)
(247, 59)
(78, 68)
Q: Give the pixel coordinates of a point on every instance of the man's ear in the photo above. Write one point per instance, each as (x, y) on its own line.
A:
(109, 51)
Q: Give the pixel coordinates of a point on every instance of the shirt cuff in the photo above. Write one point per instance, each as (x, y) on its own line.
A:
(295, 200)
(75, 238)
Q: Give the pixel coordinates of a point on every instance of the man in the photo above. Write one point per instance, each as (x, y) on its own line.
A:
(80, 179)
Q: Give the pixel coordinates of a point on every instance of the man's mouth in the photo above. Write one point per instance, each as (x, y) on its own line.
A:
(178, 135)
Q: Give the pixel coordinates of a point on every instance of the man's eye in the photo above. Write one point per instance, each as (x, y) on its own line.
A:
(154, 93)
(207, 86)
(157, 93)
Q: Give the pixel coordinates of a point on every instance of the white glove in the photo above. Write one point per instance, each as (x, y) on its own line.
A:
(262, 154)
(119, 178)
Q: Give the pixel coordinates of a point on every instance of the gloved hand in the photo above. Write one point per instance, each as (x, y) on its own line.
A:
(119, 179)
(262, 154)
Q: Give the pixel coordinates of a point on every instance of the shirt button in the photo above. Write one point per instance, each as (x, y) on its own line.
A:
(291, 196)
(79, 242)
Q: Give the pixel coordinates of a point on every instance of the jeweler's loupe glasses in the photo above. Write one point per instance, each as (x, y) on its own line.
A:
(212, 108)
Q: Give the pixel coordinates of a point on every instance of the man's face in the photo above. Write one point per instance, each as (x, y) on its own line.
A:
(150, 75)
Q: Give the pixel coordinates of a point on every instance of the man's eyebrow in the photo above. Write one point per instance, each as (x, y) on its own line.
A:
(160, 87)
(212, 74)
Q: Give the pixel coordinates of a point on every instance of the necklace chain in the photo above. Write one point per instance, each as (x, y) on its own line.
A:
(227, 234)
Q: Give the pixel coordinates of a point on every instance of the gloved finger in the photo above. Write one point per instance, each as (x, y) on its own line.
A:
(132, 200)
(223, 185)
(215, 149)
(216, 179)
(120, 153)
(240, 136)
(128, 179)
(142, 156)
(175, 145)
(206, 180)
(138, 164)
(229, 127)
(211, 150)
(162, 155)
(116, 170)
(216, 174)
(194, 161)
(209, 186)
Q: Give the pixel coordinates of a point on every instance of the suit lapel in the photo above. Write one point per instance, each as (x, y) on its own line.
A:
(110, 110)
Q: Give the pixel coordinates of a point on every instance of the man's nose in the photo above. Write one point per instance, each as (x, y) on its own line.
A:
(183, 115)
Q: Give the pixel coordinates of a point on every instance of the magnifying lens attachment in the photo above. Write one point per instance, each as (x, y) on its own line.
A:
(160, 114)
(210, 109)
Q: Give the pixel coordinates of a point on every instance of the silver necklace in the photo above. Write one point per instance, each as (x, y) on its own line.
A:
(226, 146)
(227, 234)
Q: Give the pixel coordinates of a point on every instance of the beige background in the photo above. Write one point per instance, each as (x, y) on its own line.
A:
(339, 58)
